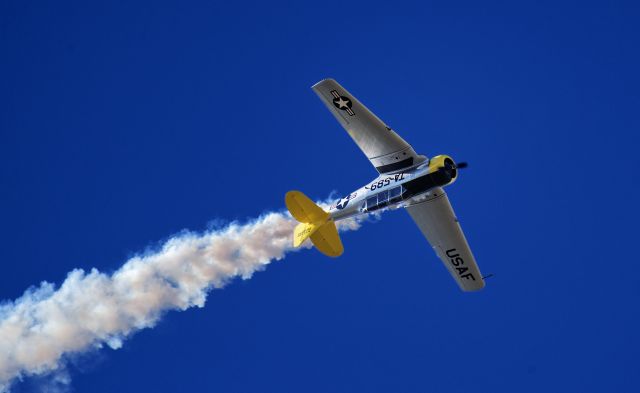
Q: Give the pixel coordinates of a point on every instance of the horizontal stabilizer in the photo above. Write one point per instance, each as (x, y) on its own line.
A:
(327, 240)
(304, 209)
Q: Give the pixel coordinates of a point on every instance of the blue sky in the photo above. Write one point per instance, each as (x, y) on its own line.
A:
(124, 123)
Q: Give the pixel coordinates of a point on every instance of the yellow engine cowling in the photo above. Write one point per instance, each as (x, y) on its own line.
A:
(444, 163)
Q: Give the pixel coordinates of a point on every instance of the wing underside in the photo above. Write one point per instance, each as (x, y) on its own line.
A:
(385, 149)
(438, 223)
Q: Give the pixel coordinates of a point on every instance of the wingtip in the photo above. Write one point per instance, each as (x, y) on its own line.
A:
(475, 288)
(322, 81)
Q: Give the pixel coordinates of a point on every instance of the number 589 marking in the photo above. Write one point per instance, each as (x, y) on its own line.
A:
(380, 184)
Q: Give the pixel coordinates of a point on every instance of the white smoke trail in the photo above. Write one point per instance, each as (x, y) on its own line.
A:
(90, 309)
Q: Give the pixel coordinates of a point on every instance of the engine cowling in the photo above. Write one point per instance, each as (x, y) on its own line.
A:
(444, 169)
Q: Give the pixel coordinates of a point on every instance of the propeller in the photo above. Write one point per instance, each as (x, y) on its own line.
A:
(459, 165)
(450, 169)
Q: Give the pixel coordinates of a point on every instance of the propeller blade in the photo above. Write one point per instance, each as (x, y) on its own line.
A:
(461, 165)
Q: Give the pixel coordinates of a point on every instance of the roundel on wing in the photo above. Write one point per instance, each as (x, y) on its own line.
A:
(342, 102)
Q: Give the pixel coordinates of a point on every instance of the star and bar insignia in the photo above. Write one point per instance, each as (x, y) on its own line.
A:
(342, 102)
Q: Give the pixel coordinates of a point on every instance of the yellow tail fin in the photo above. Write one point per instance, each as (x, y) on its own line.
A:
(315, 224)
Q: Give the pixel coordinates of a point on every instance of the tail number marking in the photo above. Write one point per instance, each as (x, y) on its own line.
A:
(386, 182)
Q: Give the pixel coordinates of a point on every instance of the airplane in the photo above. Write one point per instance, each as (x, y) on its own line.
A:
(406, 179)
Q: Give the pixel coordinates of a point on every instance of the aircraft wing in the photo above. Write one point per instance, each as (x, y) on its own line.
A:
(438, 223)
(385, 149)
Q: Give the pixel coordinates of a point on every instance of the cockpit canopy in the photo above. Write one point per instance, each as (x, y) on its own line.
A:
(383, 199)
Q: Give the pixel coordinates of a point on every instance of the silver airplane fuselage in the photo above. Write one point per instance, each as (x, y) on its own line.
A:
(396, 190)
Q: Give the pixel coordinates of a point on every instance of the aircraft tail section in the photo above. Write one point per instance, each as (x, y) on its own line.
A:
(315, 224)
